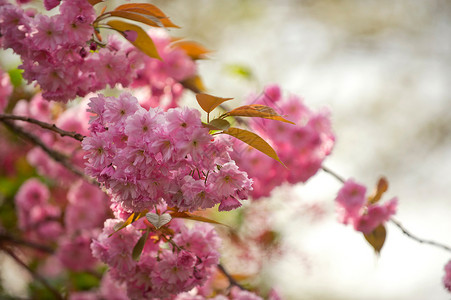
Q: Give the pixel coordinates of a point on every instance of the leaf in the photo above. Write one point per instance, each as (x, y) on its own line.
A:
(190, 216)
(218, 124)
(132, 218)
(138, 249)
(147, 9)
(158, 220)
(257, 110)
(209, 102)
(194, 84)
(94, 2)
(382, 187)
(143, 42)
(377, 238)
(192, 49)
(254, 141)
(135, 17)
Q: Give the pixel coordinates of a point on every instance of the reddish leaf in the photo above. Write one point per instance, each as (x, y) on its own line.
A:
(257, 110)
(134, 17)
(382, 187)
(218, 124)
(209, 102)
(94, 2)
(143, 42)
(254, 141)
(194, 84)
(192, 49)
(190, 216)
(132, 218)
(147, 9)
(377, 238)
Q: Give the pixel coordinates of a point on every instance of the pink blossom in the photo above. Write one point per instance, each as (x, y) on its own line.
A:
(5, 90)
(447, 276)
(50, 4)
(32, 193)
(365, 216)
(75, 253)
(48, 34)
(350, 201)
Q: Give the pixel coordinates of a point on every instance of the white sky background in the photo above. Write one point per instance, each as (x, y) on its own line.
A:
(384, 70)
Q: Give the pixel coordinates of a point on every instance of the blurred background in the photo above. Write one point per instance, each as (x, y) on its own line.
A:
(383, 69)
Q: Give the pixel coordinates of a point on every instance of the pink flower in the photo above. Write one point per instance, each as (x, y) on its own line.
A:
(48, 34)
(375, 215)
(350, 201)
(75, 253)
(5, 90)
(32, 193)
(365, 216)
(447, 277)
(50, 4)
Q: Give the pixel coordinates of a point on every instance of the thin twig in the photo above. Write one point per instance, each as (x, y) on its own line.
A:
(338, 177)
(51, 127)
(35, 275)
(57, 156)
(230, 278)
(13, 240)
(415, 238)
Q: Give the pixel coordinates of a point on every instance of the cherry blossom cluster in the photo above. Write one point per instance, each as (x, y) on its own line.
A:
(164, 268)
(353, 208)
(58, 54)
(142, 156)
(301, 147)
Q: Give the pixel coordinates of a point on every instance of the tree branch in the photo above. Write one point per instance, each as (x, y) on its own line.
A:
(13, 240)
(35, 275)
(57, 156)
(338, 177)
(230, 278)
(51, 127)
(415, 238)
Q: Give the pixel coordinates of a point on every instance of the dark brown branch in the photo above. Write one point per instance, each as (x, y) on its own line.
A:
(13, 240)
(230, 278)
(51, 127)
(57, 156)
(338, 177)
(415, 238)
(35, 275)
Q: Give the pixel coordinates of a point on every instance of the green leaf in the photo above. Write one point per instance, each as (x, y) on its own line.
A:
(240, 71)
(209, 102)
(254, 141)
(15, 76)
(377, 238)
(257, 110)
(138, 249)
(143, 42)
